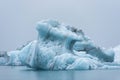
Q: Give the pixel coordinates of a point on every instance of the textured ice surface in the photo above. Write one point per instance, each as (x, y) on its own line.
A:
(62, 47)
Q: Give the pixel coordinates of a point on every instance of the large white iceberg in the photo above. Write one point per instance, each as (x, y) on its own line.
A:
(62, 47)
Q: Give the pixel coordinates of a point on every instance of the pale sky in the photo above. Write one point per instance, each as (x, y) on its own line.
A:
(99, 19)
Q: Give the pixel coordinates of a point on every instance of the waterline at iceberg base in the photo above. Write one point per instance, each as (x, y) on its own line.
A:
(62, 47)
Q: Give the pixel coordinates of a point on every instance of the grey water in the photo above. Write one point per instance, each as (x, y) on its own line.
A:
(24, 73)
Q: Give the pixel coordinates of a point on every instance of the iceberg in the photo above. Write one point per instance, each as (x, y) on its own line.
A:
(62, 47)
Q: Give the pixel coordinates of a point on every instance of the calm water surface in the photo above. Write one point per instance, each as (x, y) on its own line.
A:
(23, 73)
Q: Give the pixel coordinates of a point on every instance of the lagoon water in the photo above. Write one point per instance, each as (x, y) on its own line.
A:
(24, 73)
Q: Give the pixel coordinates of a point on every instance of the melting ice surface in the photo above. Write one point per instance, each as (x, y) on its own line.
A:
(62, 47)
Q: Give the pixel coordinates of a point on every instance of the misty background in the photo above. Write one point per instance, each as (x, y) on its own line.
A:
(99, 19)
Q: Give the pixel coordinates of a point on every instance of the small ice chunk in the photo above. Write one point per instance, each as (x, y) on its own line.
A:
(117, 54)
